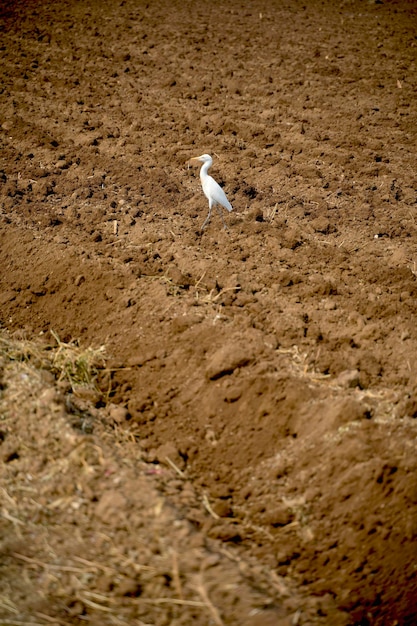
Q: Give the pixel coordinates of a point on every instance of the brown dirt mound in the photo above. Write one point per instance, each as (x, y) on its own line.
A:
(272, 363)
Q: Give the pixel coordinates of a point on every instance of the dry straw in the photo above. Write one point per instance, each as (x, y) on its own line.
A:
(67, 361)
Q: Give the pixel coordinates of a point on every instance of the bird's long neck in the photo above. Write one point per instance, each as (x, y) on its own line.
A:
(204, 169)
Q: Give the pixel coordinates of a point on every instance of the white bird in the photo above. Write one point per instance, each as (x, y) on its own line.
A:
(212, 190)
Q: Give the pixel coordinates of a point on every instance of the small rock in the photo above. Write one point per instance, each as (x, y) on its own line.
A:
(168, 450)
(223, 509)
(233, 393)
(226, 532)
(227, 359)
(348, 379)
(278, 516)
(330, 305)
(322, 225)
(118, 414)
(292, 239)
(181, 323)
(177, 277)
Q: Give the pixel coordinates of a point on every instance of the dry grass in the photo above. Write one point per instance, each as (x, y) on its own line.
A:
(67, 361)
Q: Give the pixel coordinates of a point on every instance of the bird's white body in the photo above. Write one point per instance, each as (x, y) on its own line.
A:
(212, 190)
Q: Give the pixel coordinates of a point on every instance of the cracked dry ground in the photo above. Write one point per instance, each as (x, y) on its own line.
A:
(265, 374)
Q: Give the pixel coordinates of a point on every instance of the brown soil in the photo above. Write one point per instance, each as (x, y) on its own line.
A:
(258, 406)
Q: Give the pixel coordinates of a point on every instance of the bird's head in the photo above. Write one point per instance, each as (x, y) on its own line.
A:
(204, 158)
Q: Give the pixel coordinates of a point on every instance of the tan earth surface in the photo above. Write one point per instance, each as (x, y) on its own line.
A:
(250, 454)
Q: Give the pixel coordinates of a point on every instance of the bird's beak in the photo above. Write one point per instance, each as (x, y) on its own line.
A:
(195, 159)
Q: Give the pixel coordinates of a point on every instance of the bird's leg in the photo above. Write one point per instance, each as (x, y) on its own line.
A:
(221, 215)
(206, 221)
